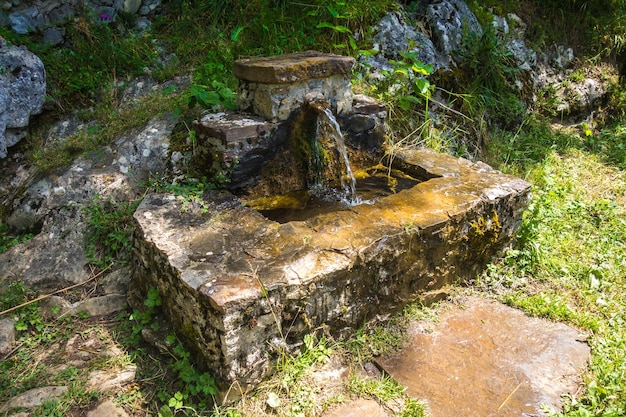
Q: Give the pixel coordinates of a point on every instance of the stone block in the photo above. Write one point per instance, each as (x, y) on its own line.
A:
(290, 68)
(274, 87)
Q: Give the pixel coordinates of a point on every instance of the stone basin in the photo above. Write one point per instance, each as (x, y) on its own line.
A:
(242, 289)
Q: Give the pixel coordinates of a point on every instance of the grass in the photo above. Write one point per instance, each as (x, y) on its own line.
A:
(569, 265)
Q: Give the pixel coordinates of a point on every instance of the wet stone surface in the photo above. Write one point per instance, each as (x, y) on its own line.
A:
(487, 359)
(241, 288)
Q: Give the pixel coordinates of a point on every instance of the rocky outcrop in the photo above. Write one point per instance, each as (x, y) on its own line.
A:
(22, 92)
(447, 22)
(49, 16)
(54, 207)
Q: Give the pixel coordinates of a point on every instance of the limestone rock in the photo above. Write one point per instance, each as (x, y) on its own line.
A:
(117, 281)
(22, 92)
(393, 36)
(132, 6)
(53, 207)
(449, 20)
(107, 380)
(7, 335)
(54, 306)
(32, 398)
(99, 306)
(107, 408)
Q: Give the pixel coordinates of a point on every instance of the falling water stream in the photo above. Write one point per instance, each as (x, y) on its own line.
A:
(333, 186)
(327, 126)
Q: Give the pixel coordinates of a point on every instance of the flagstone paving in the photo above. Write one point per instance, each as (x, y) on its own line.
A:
(483, 358)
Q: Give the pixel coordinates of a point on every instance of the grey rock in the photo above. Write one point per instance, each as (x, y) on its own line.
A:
(132, 6)
(23, 79)
(142, 155)
(116, 282)
(392, 36)
(33, 398)
(60, 14)
(54, 306)
(53, 36)
(69, 125)
(25, 21)
(107, 380)
(7, 335)
(53, 207)
(100, 306)
(143, 24)
(55, 256)
(581, 97)
(107, 408)
(149, 6)
(449, 20)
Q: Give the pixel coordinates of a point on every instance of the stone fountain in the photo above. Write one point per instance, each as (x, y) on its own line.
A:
(241, 288)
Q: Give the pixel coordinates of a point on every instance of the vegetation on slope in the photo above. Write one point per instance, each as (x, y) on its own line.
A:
(569, 264)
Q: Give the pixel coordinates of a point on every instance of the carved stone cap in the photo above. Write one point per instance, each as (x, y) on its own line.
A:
(289, 68)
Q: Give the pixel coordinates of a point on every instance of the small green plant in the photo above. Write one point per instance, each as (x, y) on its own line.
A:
(27, 317)
(8, 240)
(216, 96)
(193, 389)
(288, 391)
(384, 390)
(110, 231)
(196, 389)
(418, 90)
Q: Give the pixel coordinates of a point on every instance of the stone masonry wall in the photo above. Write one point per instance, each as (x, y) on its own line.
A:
(242, 288)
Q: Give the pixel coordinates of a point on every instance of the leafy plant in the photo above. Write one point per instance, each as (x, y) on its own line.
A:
(213, 97)
(418, 90)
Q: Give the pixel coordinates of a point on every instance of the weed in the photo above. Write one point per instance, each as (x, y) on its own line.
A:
(110, 231)
(8, 240)
(384, 390)
(490, 74)
(215, 97)
(192, 389)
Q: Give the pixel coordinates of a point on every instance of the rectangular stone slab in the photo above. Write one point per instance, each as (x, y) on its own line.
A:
(289, 68)
(242, 289)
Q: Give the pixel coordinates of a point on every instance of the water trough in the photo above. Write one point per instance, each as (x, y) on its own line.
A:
(241, 288)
